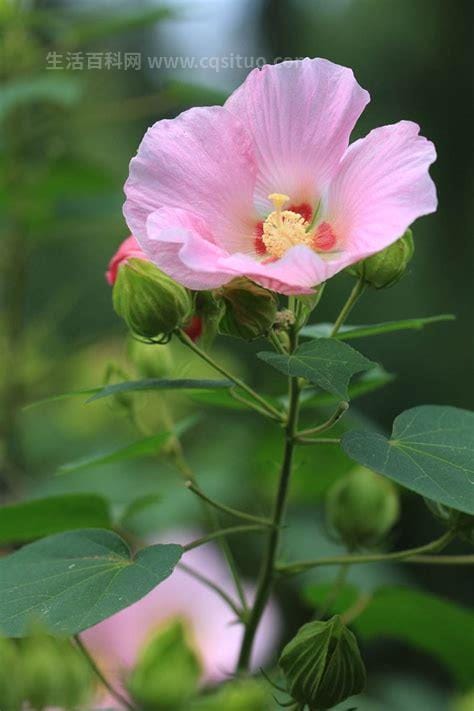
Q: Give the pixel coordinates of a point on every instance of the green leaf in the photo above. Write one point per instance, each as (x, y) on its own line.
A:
(142, 448)
(72, 581)
(28, 520)
(324, 362)
(159, 384)
(63, 396)
(321, 330)
(61, 90)
(373, 379)
(431, 452)
(426, 622)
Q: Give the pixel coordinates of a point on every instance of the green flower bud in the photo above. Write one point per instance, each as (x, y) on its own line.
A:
(54, 674)
(152, 304)
(385, 268)
(362, 507)
(322, 664)
(250, 309)
(11, 676)
(246, 695)
(149, 361)
(167, 673)
(462, 522)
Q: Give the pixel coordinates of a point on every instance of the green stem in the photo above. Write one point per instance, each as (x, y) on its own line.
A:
(333, 593)
(220, 534)
(442, 559)
(356, 292)
(210, 584)
(335, 417)
(268, 569)
(90, 660)
(272, 411)
(227, 509)
(411, 553)
(319, 440)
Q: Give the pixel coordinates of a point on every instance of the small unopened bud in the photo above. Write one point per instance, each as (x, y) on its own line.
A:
(322, 664)
(462, 523)
(385, 268)
(248, 695)
(250, 309)
(11, 676)
(152, 304)
(54, 673)
(150, 362)
(361, 508)
(167, 673)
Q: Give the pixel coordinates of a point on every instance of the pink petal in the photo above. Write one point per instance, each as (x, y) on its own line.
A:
(381, 187)
(128, 249)
(300, 114)
(180, 244)
(201, 161)
(297, 272)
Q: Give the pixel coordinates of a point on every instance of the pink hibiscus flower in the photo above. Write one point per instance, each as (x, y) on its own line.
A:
(268, 187)
(128, 249)
(116, 642)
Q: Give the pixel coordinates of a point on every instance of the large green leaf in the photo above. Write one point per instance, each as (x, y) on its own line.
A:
(324, 362)
(347, 332)
(72, 581)
(144, 447)
(431, 452)
(159, 384)
(426, 622)
(28, 520)
(367, 382)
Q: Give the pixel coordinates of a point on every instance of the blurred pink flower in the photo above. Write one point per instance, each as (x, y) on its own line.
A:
(268, 187)
(128, 249)
(115, 643)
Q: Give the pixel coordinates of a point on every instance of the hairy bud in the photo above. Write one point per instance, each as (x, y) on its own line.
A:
(322, 664)
(250, 310)
(385, 268)
(362, 507)
(167, 673)
(152, 304)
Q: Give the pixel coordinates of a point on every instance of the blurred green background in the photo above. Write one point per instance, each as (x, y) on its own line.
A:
(67, 134)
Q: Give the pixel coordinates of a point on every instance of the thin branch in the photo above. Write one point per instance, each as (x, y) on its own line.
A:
(210, 584)
(268, 407)
(302, 566)
(227, 509)
(339, 412)
(318, 440)
(223, 532)
(355, 294)
(90, 660)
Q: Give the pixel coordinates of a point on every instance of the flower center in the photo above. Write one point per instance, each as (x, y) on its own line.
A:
(284, 229)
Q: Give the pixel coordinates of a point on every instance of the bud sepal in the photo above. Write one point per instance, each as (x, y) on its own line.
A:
(322, 664)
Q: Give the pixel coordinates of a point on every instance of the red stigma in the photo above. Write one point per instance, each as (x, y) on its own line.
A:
(259, 244)
(304, 209)
(324, 239)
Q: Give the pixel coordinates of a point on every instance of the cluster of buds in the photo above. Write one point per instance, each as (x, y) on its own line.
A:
(154, 306)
